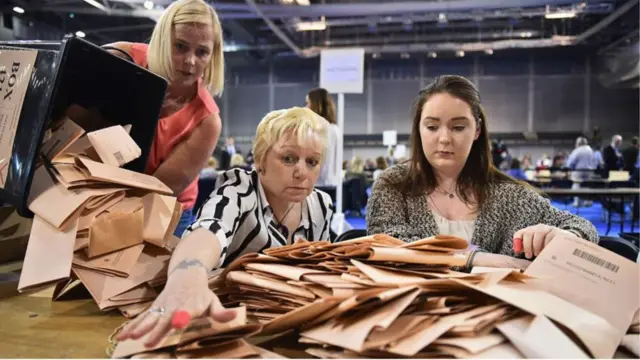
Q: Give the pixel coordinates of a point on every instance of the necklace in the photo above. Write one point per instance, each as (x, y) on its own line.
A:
(279, 226)
(450, 194)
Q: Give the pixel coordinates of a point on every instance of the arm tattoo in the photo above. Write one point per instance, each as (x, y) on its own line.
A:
(185, 264)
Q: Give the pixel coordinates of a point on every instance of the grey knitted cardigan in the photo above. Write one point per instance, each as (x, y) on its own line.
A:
(509, 208)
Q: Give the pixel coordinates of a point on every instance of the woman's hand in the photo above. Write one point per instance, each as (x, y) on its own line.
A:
(537, 237)
(499, 261)
(186, 290)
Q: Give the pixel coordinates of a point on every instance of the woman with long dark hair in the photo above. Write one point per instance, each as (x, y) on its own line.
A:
(450, 185)
(319, 101)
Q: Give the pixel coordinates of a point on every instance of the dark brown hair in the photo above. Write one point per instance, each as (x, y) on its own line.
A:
(381, 163)
(322, 104)
(478, 172)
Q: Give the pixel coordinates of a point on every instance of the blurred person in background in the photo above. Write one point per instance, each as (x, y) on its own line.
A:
(611, 156)
(381, 165)
(228, 151)
(391, 160)
(369, 165)
(320, 101)
(630, 155)
(582, 163)
(185, 49)
(544, 162)
(237, 162)
(559, 160)
(356, 168)
(515, 170)
(527, 162)
(211, 170)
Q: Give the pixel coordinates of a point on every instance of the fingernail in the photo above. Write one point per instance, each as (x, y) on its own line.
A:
(528, 255)
(180, 319)
(517, 245)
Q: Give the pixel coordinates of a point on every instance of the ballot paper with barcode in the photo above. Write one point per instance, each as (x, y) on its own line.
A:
(592, 277)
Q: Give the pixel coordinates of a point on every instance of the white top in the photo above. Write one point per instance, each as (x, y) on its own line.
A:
(459, 228)
(329, 175)
(240, 216)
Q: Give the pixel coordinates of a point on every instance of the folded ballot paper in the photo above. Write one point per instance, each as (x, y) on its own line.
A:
(97, 224)
(379, 297)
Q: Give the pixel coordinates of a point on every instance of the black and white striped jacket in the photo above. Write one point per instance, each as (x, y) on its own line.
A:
(238, 213)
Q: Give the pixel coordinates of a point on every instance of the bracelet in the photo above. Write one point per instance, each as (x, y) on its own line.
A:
(470, 259)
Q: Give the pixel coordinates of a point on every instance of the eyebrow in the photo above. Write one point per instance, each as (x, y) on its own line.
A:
(457, 118)
(298, 148)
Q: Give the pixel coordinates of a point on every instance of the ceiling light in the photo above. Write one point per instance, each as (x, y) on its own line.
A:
(526, 34)
(488, 51)
(459, 53)
(560, 15)
(80, 34)
(303, 2)
(97, 4)
(18, 9)
(376, 55)
(432, 54)
(442, 18)
(311, 25)
(148, 5)
(405, 55)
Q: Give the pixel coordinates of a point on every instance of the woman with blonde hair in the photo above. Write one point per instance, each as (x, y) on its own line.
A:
(270, 206)
(185, 49)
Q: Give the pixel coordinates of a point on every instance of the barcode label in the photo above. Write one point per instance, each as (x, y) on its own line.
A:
(596, 260)
(119, 158)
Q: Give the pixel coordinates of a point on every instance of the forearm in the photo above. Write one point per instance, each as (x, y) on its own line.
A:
(198, 250)
(176, 179)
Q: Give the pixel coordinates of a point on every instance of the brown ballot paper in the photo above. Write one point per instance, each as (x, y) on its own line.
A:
(539, 338)
(45, 191)
(161, 216)
(45, 244)
(115, 231)
(114, 175)
(65, 135)
(591, 277)
(599, 337)
(114, 146)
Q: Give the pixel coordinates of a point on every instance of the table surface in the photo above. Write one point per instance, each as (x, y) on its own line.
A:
(34, 326)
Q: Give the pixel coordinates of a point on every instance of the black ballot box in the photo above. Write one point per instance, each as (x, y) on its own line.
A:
(42, 81)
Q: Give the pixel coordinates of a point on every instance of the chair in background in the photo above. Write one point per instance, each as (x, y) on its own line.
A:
(354, 195)
(620, 246)
(351, 234)
(632, 237)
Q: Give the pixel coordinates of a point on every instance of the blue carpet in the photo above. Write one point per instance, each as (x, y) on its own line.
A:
(593, 214)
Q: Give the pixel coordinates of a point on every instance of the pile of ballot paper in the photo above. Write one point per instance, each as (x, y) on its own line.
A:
(96, 223)
(380, 297)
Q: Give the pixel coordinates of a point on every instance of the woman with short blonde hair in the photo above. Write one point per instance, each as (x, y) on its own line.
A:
(186, 50)
(270, 206)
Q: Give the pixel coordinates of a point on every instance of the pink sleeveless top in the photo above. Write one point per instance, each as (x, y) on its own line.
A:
(176, 127)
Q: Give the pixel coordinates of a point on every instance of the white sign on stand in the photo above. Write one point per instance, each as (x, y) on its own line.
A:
(389, 137)
(341, 72)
